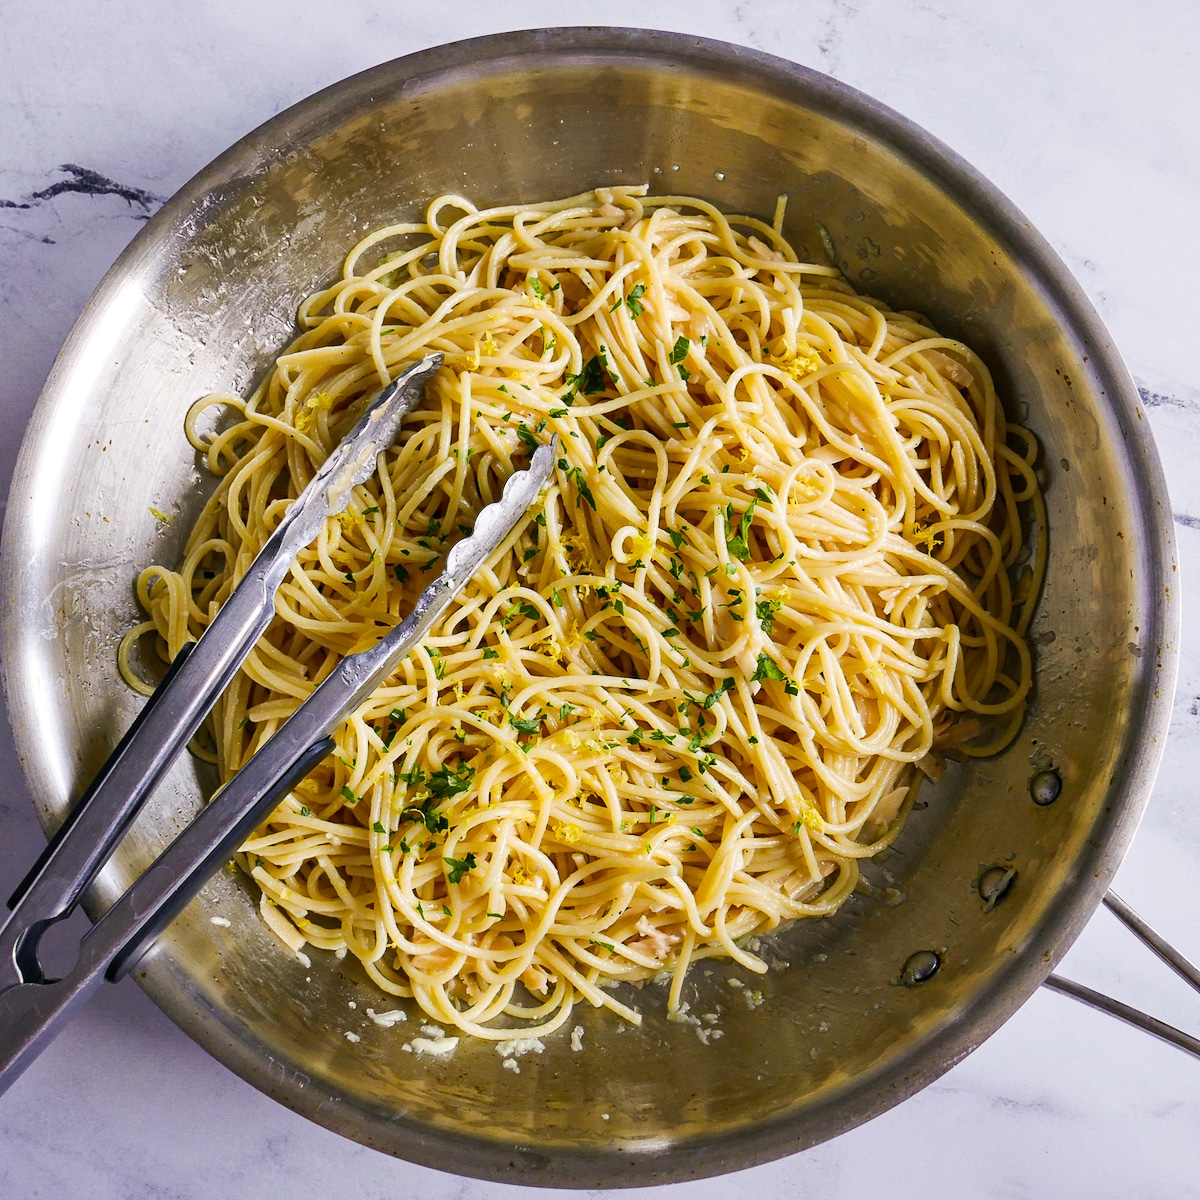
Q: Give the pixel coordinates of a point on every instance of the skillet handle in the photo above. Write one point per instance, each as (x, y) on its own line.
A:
(1183, 967)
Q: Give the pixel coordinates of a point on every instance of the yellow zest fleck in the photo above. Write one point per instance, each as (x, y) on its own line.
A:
(306, 414)
(923, 536)
(479, 349)
(804, 362)
(458, 692)
(803, 491)
(617, 775)
(640, 545)
(567, 833)
(571, 738)
(519, 875)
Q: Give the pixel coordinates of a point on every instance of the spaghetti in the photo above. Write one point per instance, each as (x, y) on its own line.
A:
(779, 568)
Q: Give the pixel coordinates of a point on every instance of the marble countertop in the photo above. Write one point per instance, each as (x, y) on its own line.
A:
(1084, 114)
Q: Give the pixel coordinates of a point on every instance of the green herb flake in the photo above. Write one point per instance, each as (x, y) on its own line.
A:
(767, 668)
(595, 377)
(414, 778)
(446, 782)
(458, 867)
(765, 610)
(633, 301)
(527, 725)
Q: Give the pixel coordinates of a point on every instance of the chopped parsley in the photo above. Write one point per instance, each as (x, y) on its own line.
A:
(413, 778)
(765, 611)
(632, 301)
(446, 782)
(527, 725)
(738, 543)
(767, 668)
(575, 475)
(679, 352)
(595, 377)
(458, 867)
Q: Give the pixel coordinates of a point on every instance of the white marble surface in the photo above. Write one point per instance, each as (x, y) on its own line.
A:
(1087, 114)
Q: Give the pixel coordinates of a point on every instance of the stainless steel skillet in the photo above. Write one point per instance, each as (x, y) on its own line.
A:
(836, 1038)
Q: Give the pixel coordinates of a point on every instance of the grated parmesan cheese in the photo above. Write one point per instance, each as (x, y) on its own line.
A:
(385, 1020)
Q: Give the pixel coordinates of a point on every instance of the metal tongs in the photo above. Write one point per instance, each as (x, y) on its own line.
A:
(33, 1008)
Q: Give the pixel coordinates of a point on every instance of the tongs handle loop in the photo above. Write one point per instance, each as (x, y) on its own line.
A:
(32, 1013)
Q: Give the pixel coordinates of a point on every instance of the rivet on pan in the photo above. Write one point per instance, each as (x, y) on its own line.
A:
(920, 967)
(1045, 787)
(993, 885)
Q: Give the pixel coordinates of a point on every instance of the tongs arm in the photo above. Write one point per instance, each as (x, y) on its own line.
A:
(200, 672)
(32, 1011)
